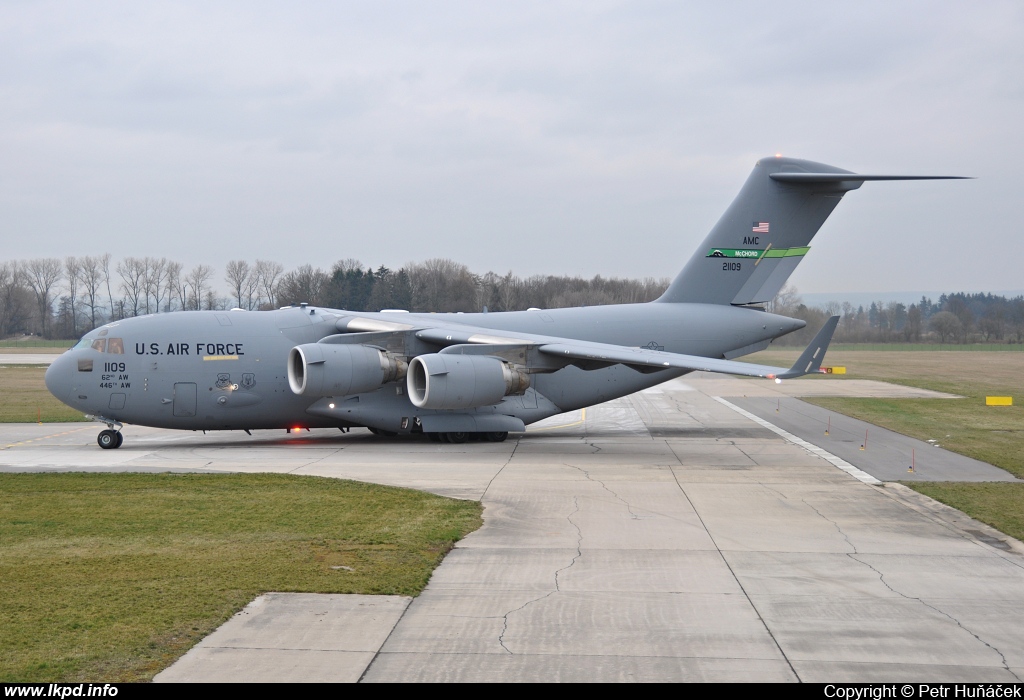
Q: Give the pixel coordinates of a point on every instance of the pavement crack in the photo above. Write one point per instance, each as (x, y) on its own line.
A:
(881, 578)
(735, 577)
(835, 525)
(498, 473)
(559, 572)
(315, 461)
(620, 499)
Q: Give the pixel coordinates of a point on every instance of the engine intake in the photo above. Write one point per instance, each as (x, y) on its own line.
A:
(320, 369)
(462, 381)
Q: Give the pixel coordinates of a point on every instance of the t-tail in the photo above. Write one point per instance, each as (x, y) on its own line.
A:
(766, 231)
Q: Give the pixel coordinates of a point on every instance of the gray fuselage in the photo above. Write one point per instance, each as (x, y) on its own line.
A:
(226, 370)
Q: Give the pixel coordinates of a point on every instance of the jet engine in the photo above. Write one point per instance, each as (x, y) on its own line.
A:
(321, 369)
(462, 381)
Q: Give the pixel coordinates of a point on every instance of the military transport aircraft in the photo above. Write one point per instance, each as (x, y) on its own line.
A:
(457, 376)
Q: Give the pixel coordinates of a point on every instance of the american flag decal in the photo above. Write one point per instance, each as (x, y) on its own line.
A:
(760, 227)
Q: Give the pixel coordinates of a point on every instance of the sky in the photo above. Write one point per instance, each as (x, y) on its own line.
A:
(566, 138)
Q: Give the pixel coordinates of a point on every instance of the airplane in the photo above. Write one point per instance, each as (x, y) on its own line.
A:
(458, 376)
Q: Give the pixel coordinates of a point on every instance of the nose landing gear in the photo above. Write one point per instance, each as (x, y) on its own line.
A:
(109, 439)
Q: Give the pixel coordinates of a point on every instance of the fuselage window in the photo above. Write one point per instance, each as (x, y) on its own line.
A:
(99, 345)
(115, 346)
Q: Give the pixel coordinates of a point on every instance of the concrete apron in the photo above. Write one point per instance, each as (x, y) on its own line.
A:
(663, 537)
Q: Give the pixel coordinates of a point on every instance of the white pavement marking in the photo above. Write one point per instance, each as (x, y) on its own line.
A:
(813, 449)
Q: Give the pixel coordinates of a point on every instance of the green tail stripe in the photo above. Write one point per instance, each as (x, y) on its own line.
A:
(786, 252)
(754, 254)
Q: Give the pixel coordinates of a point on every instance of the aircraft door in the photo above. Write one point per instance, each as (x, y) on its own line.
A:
(185, 399)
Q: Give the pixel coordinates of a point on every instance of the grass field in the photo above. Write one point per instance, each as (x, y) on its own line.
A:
(993, 434)
(26, 400)
(113, 576)
(33, 344)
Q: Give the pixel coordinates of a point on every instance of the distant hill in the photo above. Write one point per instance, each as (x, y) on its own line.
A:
(865, 298)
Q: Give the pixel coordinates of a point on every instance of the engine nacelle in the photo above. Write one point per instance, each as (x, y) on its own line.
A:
(462, 381)
(322, 369)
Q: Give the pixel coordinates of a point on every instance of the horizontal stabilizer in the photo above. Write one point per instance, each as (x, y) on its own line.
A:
(809, 178)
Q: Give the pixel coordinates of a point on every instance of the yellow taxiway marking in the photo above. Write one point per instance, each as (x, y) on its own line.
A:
(583, 419)
(46, 437)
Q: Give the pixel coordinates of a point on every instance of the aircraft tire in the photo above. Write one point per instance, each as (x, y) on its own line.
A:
(495, 437)
(120, 440)
(107, 439)
(457, 438)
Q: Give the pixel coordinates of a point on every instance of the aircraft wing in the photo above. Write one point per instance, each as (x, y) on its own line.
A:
(808, 362)
(597, 355)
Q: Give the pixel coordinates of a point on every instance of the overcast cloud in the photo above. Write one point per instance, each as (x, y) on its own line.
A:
(552, 137)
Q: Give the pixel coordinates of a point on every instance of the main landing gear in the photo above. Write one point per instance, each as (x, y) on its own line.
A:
(109, 439)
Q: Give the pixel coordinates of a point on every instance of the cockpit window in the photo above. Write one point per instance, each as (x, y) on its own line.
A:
(84, 343)
(115, 346)
(99, 345)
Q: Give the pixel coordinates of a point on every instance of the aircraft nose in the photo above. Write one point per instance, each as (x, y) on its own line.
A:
(58, 376)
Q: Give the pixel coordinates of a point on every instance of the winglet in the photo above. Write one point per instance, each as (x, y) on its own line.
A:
(811, 358)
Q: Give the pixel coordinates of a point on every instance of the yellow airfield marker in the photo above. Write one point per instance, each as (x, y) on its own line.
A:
(998, 400)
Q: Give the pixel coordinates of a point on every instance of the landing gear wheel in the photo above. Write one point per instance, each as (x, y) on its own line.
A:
(495, 437)
(108, 439)
(120, 439)
(457, 438)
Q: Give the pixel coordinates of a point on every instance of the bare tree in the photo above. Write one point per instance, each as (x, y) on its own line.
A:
(42, 275)
(133, 273)
(946, 324)
(154, 282)
(72, 278)
(15, 299)
(238, 274)
(785, 301)
(105, 260)
(92, 278)
(198, 280)
(173, 286)
(269, 274)
(441, 284)
(303, 285)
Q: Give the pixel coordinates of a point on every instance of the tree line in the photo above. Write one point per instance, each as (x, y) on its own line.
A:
(954, 318)
(64, 298)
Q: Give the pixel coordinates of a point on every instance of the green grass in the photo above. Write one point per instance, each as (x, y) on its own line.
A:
(1000, 505)
(927, 347)
(26, 400)
(113, 576)
(34, 342)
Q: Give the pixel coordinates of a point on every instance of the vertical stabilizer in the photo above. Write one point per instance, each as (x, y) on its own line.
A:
(763, 235)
